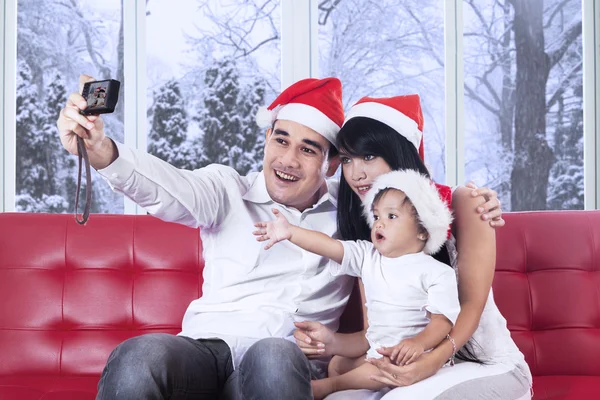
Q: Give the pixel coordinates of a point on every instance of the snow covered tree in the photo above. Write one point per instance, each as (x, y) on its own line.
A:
(29, 120)
(219, 120)
(253, 137)
(56, 96)
(522, 58)
(230, 135)
(566, 183)
(39, 187)
(46, 173)
(169, 125)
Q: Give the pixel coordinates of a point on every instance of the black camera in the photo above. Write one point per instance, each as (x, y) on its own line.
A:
(101, 96)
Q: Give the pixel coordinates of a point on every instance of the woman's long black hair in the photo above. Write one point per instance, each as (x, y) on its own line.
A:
(362, 136)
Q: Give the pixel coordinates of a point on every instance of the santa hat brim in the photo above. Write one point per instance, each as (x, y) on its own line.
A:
(393, 118)
(303, 114)
(433, 212)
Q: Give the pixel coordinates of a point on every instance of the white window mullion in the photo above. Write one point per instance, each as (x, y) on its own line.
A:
(141, 73)
(314, 38)
(590, 103)
(134, 52)
(2, 91)
(454, 78)
(596, 106)
(129, 89)
(141, 131)
(8, 104)
(295, 41)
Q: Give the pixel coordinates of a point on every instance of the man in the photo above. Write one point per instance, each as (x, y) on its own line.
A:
(237, 338)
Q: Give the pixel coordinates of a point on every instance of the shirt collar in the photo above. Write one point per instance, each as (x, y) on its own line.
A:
(257, 193)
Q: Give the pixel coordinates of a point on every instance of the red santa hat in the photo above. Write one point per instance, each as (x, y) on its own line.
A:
(401, 113)
(314, 103)
(431, 201)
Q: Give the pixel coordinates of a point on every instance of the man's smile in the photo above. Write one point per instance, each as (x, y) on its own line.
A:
(282, 176)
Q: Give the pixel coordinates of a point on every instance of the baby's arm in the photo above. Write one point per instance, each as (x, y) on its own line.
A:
(410, 349)
(316, 242)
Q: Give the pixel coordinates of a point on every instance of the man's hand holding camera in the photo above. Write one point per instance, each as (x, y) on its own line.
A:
(72, 123)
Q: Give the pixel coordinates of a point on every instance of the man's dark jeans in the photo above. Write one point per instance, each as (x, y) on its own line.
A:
(161, 366)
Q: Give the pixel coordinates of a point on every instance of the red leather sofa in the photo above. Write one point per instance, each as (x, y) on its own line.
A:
(69, 294)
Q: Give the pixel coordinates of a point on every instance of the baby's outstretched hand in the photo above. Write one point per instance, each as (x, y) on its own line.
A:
(273, 231)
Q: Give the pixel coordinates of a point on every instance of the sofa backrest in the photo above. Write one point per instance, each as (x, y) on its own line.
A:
(547, 285)
(69, 293)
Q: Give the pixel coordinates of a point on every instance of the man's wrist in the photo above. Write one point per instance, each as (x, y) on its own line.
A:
(104, 155)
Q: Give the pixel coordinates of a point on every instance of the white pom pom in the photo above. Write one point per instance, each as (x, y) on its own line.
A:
(264, 117)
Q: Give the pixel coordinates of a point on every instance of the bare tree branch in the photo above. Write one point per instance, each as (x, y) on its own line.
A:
(425, 34)
(555, 12)
(563, 85)
(327, 7)
(258, 46)
(96, 57)
(484, 79)
(481, 18)
(481, 101)
(558, 49)
(235, 33)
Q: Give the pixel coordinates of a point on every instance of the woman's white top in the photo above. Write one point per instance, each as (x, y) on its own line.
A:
(491, 342)
(399, 291)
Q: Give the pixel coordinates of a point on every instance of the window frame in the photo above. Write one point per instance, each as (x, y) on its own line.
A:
(8, 149)
(299, 59)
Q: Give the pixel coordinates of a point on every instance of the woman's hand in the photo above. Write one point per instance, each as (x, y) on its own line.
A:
(491, 210)
(397, 375)
(314, 339)
(274, 231)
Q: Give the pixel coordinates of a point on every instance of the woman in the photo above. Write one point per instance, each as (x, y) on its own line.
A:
(381, 135)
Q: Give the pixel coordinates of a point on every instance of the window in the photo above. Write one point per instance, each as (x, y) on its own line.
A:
(522, 127)
(379, 53)
(56, 40)
(210, 65)
(524, 101)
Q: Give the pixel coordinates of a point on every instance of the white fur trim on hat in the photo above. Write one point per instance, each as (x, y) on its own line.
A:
(433, 212)
(393, 118)
(303, 114)
(264, 117)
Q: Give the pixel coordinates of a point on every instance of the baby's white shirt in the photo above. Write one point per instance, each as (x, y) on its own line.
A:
(399, 291)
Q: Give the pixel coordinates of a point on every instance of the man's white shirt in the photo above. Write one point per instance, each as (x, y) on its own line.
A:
(249, 293)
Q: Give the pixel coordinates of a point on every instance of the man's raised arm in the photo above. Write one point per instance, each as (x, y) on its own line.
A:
(195, 198)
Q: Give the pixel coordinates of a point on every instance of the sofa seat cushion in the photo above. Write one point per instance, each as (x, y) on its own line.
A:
(33, 387)
(562, 387)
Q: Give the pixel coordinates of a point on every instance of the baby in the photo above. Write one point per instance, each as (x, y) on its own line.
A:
(412, 299)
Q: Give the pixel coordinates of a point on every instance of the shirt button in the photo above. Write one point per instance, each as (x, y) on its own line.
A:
(114, 175)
